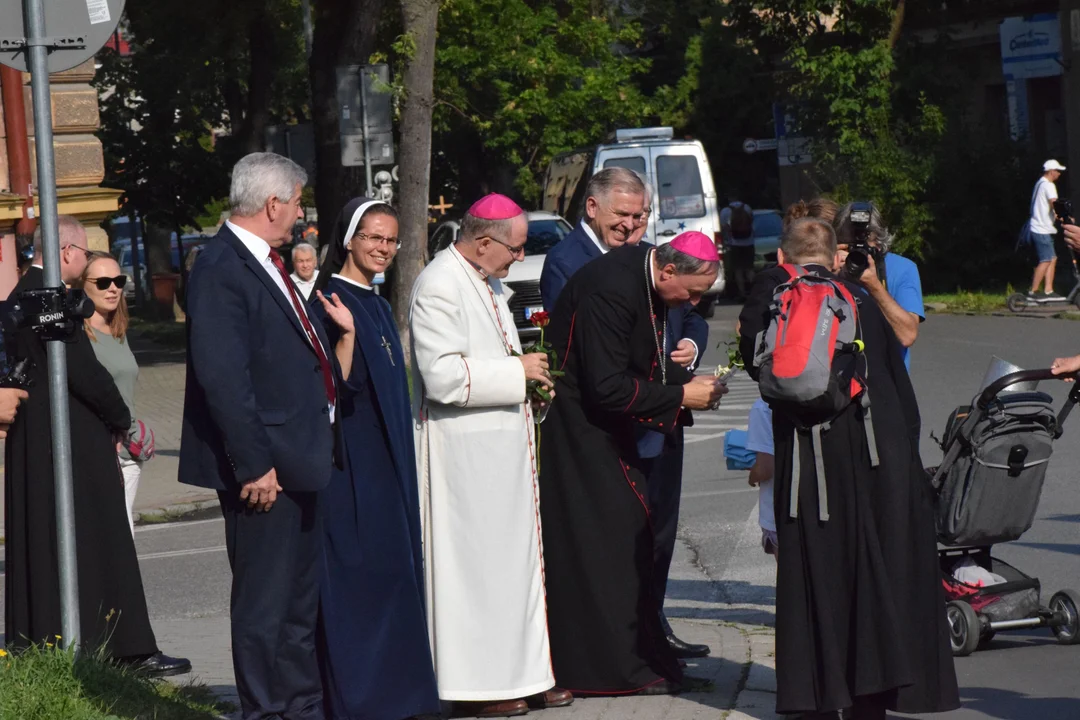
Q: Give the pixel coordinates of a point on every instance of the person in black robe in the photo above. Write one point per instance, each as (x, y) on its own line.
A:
(373, 641)
(860, 619)
(608, 330)
(112, 604)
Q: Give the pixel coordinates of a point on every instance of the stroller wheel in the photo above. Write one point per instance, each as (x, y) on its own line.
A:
(1066, 603)
(1016, 302)
(964, 628)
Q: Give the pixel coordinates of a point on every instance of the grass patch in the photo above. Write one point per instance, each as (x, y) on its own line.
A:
(962, 301)
(167, 333)
(47, 683)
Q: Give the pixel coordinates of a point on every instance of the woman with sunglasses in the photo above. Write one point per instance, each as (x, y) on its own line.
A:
(373, 646)
(104, 284)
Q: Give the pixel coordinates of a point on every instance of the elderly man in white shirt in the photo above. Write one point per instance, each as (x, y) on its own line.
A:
(304, 260)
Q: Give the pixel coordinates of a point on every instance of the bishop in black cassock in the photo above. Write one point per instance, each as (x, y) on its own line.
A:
(608, 329)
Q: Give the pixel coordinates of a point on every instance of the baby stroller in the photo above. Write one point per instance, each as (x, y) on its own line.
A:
(987, 492)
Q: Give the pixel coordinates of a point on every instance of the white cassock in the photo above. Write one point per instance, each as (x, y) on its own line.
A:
(479, 501)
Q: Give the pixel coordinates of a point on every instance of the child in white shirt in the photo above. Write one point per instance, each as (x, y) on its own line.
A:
(760, 440)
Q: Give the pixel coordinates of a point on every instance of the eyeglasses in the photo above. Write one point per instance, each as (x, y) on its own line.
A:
(103, 283)
(88, 253)
(636, 217)
(514, 251)
(378, 240)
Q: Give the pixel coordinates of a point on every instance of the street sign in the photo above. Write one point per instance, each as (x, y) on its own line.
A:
(75, 31)
(377, 100)
(381, 146)
(751, 146)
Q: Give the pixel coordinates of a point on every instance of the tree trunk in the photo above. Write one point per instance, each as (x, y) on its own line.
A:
(260, 82)
(345, 33)
(414, 168)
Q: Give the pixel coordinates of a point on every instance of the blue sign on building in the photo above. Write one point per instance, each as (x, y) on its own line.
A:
(1030, 48)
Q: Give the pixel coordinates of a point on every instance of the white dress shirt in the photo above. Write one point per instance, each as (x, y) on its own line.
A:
(261, 250)
(604, 249)
(305, 286)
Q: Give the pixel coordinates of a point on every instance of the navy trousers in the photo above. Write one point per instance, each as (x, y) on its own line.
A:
(275, 605)
(664, 474)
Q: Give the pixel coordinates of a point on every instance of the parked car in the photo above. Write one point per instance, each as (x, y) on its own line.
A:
(181, 247)
(768, 225)
(545, 231)
(684, 196)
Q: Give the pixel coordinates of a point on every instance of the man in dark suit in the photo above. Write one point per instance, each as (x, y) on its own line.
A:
(265, 445)
(616, 214)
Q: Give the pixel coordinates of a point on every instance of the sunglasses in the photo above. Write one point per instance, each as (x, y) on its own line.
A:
(103, 283)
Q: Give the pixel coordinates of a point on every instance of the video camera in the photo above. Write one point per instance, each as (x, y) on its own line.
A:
(859, 249)
(51, 313)
(1064, 210)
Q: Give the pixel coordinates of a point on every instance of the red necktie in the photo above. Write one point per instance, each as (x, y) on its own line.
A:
(327, 374)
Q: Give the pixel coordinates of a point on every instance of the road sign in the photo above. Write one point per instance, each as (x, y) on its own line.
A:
(381, 146)
(751, 146)
(74, 31)
(377, 100)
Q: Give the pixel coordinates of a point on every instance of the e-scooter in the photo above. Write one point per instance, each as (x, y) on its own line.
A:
(1019, 302)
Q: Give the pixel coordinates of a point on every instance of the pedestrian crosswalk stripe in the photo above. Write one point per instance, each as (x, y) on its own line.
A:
(732, 413)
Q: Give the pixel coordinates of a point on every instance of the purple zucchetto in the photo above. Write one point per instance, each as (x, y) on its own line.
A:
(495, 207)
(696, 245)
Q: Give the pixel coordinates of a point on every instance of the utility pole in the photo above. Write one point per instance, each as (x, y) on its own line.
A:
(38, 50)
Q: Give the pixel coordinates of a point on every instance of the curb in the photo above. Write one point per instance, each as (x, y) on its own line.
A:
(178, 512)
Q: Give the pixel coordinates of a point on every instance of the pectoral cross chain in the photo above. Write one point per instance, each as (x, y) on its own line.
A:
(386, 347)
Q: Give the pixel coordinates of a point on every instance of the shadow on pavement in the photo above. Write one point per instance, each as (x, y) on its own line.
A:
(1008, 704)
(1067, 549)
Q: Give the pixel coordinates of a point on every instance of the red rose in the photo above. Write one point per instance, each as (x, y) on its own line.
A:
(540, 319)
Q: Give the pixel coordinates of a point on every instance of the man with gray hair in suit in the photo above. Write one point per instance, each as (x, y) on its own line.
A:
(305, 272)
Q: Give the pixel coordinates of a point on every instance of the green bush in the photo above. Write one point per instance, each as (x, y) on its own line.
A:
(48, 683)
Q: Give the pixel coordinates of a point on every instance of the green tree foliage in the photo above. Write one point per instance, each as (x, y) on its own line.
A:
(199, 88)
(518, 82)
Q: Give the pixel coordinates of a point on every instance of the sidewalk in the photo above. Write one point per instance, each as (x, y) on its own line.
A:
(159, 400)
(741, 666)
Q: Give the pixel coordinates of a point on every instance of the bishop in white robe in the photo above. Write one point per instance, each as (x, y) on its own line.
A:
(476, 451)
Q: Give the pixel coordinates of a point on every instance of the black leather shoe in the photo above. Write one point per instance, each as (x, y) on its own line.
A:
(686, 650)
(160, 665)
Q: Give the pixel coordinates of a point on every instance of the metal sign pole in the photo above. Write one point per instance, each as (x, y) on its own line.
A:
(305, 9)
(367, 135)
(58, 392)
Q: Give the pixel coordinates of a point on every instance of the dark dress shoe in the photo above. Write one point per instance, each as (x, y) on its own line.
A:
(502, 708)
(158, 665)
(553, 698)
(686, 650)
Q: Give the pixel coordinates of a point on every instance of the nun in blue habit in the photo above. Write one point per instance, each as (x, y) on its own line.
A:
(373, 640)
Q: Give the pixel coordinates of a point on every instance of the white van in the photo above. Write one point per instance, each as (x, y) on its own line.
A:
(684, 197)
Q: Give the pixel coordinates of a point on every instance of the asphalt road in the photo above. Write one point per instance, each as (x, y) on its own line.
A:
(1023, 676)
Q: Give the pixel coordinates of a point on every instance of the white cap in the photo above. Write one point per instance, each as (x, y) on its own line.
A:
(1053, 165)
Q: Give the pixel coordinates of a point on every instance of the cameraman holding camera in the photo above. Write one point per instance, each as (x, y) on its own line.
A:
(112, 605)
(892, 280)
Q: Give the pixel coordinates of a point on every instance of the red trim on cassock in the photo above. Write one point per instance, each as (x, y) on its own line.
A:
(637, 389)
(569, 341)
(617, 692)
(675, 422)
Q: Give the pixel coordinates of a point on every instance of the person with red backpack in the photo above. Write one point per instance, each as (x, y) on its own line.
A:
(860, 625)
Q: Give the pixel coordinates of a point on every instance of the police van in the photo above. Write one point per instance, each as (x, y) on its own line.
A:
(684, 197)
